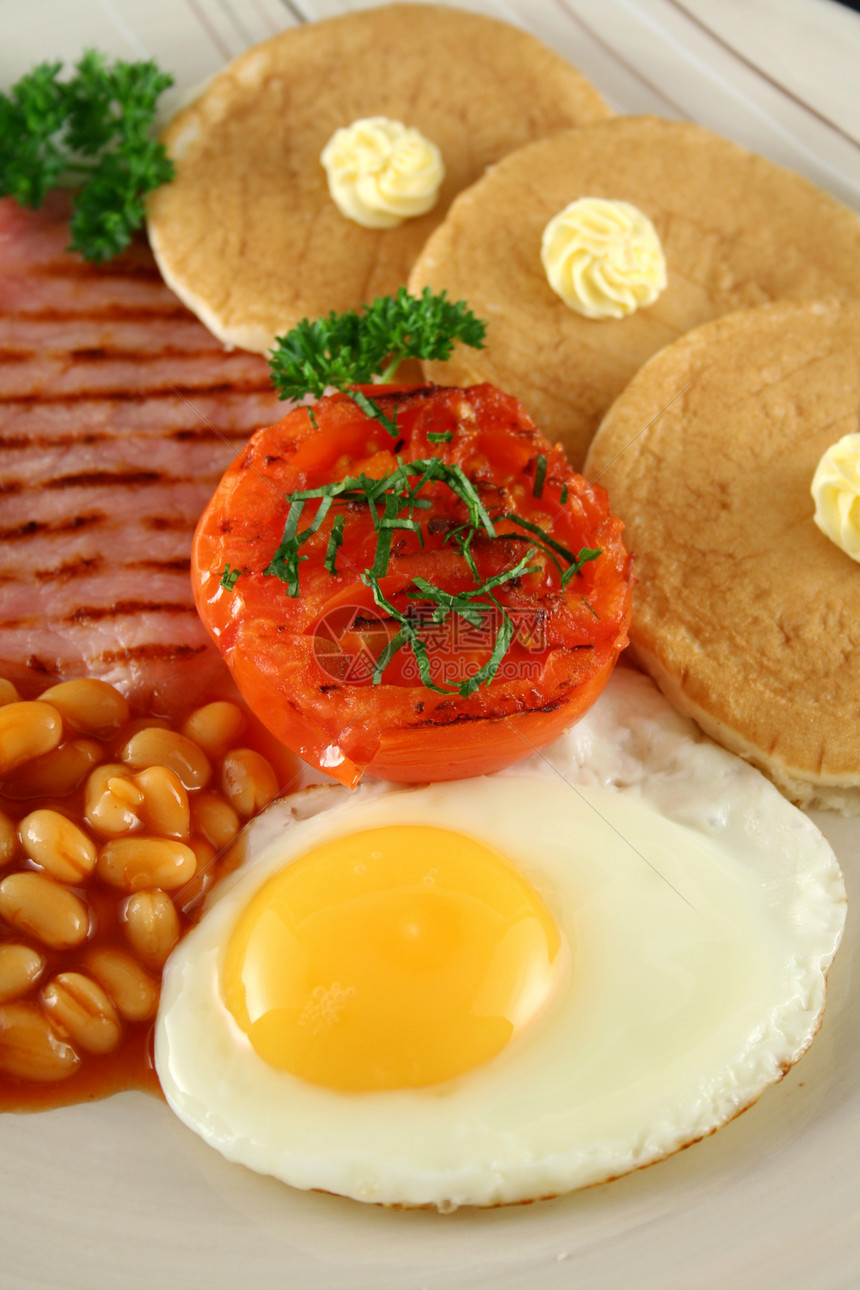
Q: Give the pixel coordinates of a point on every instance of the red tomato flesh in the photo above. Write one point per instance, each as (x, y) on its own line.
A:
(304, 664)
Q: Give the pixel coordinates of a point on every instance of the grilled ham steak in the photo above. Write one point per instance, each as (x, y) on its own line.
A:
(119, 412)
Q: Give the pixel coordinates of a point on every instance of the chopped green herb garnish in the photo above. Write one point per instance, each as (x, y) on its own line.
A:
(554, 549)
(96, 125)
(540, 476)
(441, 436)
(548, 545)
(286, 560)
(230, 577)
(584, 556)
(408, 634)
(400, 486)
(563, 498)
(395, 503)
(335, 541)
(352, 348)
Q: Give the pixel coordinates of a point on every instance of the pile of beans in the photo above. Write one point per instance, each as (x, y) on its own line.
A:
(110, 826)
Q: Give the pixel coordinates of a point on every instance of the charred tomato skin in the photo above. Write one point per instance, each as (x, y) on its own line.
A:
(399, 729)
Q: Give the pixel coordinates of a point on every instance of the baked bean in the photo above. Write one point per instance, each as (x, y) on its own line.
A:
(215, 727)
(40, 907)
(247, 781)
(111, 801)
(27, 730)
(151, 925)
(8, 839)
(204, 852)
(154, 747)
(30, 1048)
(151, 827)
(136, 724)
(138, 862)
(8, 693)
(132, 990)
(89, 706)
(20, 968)
(58, 772)
(58, 845)
(81, 1008)
(197, 889)
(215, 819)
(165, 802)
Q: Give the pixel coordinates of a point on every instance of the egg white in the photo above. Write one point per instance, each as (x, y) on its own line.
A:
(700, 912)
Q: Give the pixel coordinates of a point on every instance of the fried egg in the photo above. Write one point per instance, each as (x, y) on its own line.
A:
(505, 988)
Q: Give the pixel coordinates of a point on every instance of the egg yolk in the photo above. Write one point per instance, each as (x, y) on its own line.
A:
(392, 958)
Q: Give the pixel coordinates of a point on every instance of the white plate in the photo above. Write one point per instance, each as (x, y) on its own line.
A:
(118, 1194)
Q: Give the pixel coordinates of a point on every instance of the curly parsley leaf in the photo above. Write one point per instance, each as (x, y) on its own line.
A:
(95, 125)
(30, 116)
(362, 348)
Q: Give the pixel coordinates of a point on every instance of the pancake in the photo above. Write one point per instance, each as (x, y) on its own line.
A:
(745, 614)
(736, 230)
(247, 234)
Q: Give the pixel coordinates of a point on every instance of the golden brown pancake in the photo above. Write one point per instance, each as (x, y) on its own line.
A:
(736, 229)
(247, 234)
(745, 614)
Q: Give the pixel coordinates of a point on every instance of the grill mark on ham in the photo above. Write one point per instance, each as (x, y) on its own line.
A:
(124, 297)
(104, 337)
(118, 414)
(227, 410)
(182, 565)
(94, 354)
(104, 478)
(72, 267)
(169, 390)
(80, 567)
(108, 314)
(203, 435)
(152, 651)
(160, 523)
(96, 613)
(73, 524)
(69, 569)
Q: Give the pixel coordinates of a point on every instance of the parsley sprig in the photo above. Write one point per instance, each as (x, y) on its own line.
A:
(97, 125)
(360, 348)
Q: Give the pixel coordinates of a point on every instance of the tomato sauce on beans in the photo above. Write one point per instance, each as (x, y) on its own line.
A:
(113, 826)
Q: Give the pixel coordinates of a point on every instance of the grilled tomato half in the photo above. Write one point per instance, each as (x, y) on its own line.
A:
(416, 586)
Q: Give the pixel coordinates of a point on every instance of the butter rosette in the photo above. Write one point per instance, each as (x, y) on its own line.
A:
(603, 258)
(381, 172)
(836, 493)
